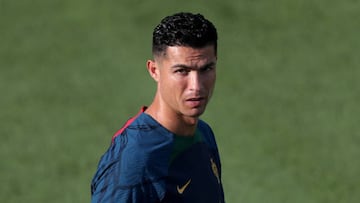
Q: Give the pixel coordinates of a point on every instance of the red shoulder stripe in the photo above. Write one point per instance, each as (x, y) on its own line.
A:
(128, 122)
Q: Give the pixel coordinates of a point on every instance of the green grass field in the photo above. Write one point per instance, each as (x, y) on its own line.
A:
(285, 109)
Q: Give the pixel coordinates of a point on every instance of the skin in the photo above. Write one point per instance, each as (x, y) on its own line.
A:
(185, 80)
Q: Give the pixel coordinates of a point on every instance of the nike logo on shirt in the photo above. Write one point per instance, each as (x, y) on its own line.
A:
(182, 189)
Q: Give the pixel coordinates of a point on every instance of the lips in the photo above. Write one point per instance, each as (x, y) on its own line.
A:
(195, 101)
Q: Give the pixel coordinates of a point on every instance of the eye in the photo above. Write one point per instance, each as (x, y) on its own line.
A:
(207, 68)
(182, 71)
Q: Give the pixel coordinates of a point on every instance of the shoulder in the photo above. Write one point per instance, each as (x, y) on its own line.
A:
(136, 159)
(143, 132)
(207, 133)
(203, 126)
(140, 145)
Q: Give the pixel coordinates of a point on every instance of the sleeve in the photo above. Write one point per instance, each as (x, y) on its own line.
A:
(120, 178)
(112, 193)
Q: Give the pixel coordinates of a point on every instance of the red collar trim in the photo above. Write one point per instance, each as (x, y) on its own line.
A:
(128, 122)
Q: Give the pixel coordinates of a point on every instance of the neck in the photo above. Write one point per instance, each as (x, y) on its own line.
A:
(173, 121)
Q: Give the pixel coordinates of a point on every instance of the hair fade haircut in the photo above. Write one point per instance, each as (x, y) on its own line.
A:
(183, 29)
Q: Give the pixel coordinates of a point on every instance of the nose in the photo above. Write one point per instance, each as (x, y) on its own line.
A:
(195, 83)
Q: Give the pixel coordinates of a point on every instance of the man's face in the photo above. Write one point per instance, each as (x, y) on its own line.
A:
(186, 79)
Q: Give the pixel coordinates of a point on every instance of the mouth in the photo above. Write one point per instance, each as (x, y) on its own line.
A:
(195, 101)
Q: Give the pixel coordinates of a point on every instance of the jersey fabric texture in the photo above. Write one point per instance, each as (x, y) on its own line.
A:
(146, 163)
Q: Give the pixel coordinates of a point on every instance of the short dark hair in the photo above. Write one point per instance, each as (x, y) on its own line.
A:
(183, 29)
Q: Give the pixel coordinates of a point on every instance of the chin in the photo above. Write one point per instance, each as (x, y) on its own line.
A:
(195, 113)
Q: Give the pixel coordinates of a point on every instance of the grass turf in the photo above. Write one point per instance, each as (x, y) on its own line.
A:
(284, 110)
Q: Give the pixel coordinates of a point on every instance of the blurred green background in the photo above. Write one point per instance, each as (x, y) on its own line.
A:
(285, 109)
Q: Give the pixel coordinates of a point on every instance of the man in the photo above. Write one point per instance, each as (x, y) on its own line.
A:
(166, 153)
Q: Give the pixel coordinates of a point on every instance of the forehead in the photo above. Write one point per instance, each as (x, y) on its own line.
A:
(189, 55)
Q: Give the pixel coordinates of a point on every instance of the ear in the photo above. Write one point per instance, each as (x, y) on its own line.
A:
(153, 69)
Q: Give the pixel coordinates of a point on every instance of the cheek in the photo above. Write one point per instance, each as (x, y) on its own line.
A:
(210, 81)
(174, 88)
(168, 86)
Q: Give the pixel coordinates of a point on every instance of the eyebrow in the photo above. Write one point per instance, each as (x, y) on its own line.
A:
(190, 67)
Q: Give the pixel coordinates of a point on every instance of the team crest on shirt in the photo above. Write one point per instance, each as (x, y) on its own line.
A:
(215, 169)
